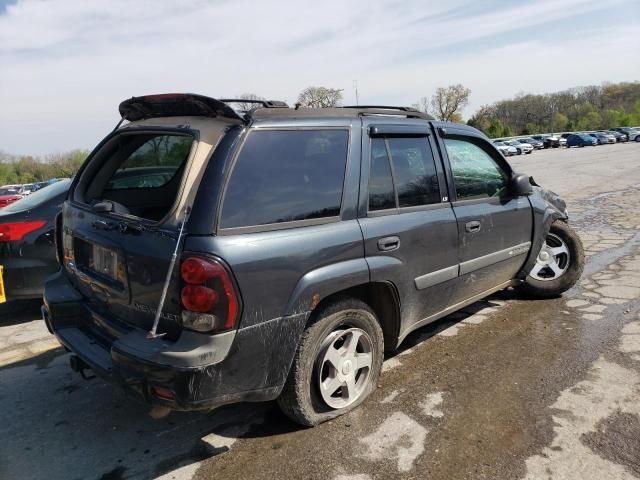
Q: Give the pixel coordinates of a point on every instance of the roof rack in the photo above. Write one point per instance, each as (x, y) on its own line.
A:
(389, 110)
(263, 103)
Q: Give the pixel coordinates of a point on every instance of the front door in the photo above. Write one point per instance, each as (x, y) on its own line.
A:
(494, 226)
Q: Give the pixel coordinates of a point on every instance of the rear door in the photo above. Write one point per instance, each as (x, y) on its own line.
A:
(494, 226)
(410, 231)
(116, 237)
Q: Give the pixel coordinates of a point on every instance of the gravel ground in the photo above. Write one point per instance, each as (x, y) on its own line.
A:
(508, 388)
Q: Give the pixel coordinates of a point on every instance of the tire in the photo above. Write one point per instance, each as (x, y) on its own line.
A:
(555, 284)
(302, 399)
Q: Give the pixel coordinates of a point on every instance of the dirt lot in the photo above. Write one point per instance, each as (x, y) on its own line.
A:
(506, 389)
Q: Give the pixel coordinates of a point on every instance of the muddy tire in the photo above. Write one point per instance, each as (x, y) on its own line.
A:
(558, 265)
(337, 363)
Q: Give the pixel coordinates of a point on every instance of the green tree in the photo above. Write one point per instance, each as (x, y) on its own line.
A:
(560, 122)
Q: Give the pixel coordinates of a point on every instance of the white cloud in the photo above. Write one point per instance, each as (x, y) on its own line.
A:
(66, 64)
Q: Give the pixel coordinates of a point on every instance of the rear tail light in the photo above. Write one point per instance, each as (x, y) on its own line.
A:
(209, 297)
(12, 232)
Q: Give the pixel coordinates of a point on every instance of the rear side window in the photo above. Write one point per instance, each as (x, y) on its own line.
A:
(286, 175)
(151, 164)
(381, 193)
(414, 173)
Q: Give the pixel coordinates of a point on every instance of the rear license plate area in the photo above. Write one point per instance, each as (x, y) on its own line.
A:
(99, 261)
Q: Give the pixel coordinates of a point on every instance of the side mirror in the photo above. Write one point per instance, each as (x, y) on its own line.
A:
(520, 185)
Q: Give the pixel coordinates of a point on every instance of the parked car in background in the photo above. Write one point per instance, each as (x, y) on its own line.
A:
(506, 150)
(581, 140)
(633, 134)
(27, 251)
(602, 138)
(536, 144)
(25, 189)
(9, 195)
(293, 273)
(521, 145)
(620, 137)
(549, 141)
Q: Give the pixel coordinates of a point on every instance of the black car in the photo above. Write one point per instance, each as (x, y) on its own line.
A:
(287, 249)
(27, 251)
(548, 141)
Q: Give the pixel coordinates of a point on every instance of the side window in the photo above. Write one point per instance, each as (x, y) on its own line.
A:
(286, 175)
(475, 173)
(414, 171)
(381, 193)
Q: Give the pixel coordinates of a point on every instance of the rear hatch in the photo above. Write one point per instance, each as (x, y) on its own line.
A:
(120, 224)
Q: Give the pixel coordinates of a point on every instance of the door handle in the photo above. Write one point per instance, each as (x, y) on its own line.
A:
(388, 244)
(472, 227)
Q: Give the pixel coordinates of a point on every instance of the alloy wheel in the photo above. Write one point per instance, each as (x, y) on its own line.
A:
(552, 261)
(344, 366)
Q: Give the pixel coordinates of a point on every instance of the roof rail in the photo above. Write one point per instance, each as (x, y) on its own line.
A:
(382, 107)
(263, 103)
(389, 110)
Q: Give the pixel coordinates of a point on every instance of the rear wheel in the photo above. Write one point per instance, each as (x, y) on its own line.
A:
(559, 263)
(337, 364)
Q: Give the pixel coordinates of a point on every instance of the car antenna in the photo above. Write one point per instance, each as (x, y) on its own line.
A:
(152, 333)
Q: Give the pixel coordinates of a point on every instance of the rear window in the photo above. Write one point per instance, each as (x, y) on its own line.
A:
(140, 173)
(284, 176)
(152, 164)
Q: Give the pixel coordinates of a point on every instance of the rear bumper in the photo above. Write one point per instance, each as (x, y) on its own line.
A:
(24, 277)
(200, 371)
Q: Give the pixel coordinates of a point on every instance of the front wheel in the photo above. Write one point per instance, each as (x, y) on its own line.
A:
(337, 364)
(559, 263)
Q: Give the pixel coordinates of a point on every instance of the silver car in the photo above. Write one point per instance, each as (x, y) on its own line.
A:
(505, 149)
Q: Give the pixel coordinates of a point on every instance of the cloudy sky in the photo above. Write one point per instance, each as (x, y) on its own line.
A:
(66, 64)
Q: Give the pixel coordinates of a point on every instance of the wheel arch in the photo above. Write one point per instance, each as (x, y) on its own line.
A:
(351, 278)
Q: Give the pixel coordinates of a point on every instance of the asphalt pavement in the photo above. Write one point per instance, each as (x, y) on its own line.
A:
(508, 388)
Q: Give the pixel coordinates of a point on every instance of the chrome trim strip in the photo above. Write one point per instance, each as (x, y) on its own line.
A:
(495, 257)
(439, 276)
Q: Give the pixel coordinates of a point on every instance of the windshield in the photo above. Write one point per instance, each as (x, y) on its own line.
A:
(36, 198)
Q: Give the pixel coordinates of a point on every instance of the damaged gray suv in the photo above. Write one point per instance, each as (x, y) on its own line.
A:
(211, 255)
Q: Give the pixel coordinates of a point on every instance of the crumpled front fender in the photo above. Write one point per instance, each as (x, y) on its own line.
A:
(547, 208)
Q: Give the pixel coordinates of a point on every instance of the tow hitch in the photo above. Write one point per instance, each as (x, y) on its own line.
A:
(78, 365)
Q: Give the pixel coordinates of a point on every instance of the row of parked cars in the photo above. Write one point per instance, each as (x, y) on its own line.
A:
(14, 192)
(526, 145)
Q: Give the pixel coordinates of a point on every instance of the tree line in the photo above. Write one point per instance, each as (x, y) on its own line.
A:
(577, 109)
(19, 169)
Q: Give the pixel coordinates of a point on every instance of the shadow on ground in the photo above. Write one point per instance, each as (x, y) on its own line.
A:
(19, 311)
